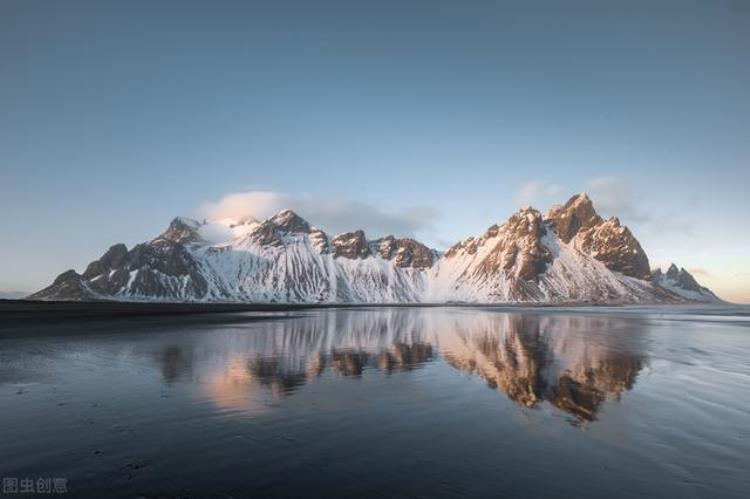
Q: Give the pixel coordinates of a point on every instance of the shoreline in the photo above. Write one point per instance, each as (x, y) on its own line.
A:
(22, 310)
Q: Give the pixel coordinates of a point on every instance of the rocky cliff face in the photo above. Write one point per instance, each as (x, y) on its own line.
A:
(505, 263)
(404, 252)
(351, 245)
(605, 240)
(67, 286)
(574, 216)
(162, 269)
(571, 255)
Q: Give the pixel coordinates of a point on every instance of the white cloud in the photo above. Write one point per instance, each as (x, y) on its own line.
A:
(332, 215)
(534, 193)
(239, 205)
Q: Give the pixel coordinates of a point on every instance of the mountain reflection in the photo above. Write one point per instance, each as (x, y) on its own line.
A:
(575, 363)
(174, 363)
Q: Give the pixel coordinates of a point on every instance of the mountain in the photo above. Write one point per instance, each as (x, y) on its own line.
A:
(682, 283)
(570, 255)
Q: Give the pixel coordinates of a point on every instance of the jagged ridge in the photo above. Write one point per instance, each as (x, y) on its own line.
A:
(569, 255)
(682, 282)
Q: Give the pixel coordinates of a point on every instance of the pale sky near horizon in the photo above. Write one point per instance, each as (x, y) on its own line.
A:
(434, 119)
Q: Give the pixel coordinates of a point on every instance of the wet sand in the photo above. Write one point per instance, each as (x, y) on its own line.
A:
(376, 402)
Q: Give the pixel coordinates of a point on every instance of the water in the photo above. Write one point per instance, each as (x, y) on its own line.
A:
(394, 402)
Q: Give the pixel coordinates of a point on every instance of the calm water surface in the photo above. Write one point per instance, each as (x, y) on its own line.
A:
(395, 402)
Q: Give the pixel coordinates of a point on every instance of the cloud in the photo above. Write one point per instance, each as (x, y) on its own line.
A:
(533, 193)
(333, 215)
(613, 196)
(239, 205)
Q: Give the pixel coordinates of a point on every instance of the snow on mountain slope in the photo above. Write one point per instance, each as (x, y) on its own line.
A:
(524, 260)
(277, 263)
(572, 255)
(282, 259)
(682, 283)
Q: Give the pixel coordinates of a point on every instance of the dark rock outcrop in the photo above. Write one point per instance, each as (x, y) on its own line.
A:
(267, 234)
(114, 258)
(351, 245)
(405, 252)
(159, 269)
(67, 286)
(319, 240)
(520, 253)
(182, 230)
(680, 281)
(683, 278)
(271, 232)
(289, 221)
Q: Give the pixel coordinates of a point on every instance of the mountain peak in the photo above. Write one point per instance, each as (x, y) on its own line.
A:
(113, 258)
(286, 213)
(405, 252)
(290, 221)
(351, 245)
(525, 219)
(606, 240)
(576, 214)
(65, 276)
(680, 281)
(182, 230)
(580, 199)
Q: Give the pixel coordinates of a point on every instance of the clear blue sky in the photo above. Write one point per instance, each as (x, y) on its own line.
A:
(116, 116)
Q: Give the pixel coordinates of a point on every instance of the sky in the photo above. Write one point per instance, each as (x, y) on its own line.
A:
(433, 119)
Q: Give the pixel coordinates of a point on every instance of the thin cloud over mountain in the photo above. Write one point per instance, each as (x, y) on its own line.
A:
(332, 214)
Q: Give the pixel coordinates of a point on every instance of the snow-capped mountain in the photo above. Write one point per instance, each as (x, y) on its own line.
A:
(571, 255)
(681, 282)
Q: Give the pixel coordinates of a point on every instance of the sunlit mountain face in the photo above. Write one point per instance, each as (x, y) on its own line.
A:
(574, 363)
